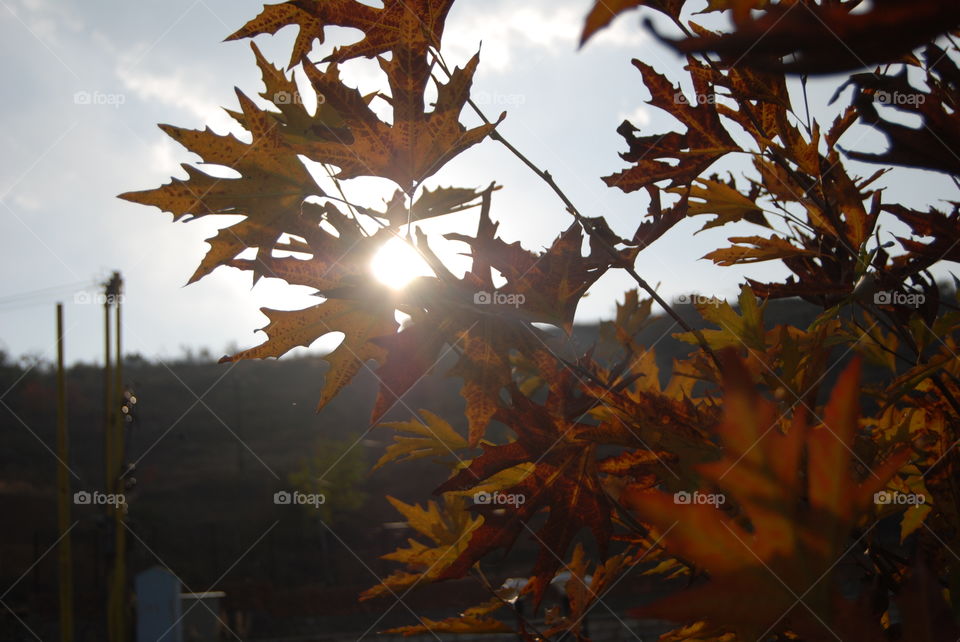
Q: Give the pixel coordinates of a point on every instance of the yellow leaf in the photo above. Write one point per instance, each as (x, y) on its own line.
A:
(434, 438)
(359, 321)
(448, 527)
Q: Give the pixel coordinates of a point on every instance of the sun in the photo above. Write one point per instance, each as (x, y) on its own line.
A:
(396, 264)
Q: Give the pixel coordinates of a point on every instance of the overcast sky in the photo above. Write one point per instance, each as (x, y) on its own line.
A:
(62, 229)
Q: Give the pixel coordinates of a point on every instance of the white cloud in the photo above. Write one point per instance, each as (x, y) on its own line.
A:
(507, 30)
(176, 90)
(26, 202)
(44, 20)
(639, 116)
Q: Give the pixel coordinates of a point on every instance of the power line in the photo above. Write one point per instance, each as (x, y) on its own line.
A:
(41, 296)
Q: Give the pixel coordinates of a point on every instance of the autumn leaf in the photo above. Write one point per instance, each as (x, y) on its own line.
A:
(548, 286)
(414, 24)
(728, 203)
(661, 219)
(931, 146)
(942, 228)
(563, 479)
(293, 119)
(704, 142)
(828, 37)
(604, 11)
(432, 437)
(736, 328)
(539, 287)
(416, 144)
(447, 526)
(270, 192)
(409, 355)
(763, 249)
(431, 203)
(360, 322)
(782, 547)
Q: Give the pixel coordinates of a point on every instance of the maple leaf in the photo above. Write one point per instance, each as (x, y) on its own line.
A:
(829, 256)
(270, 192)
(828, 37)
(941, 227)
(794, 526)
(663, 434)
(431, 438)
(415, 24)
(539, 287)
(632, 316)
(431, 203)
(563, 478)
(661, 219)
(293, 119)
(722, 199)
(359, 320)
(764, 249)
(931, 146)
(704, 142)
(409, 355)
(416, 144)
(604, 11)
(448, 527)
(585, 590)
(548, 285)
(484, 367)
(736, 329)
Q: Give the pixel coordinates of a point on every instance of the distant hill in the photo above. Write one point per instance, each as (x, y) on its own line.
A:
(212, 443)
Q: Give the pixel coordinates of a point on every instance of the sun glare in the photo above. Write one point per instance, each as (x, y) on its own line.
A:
(396, 264)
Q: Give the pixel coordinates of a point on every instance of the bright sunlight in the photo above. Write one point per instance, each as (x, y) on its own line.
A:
(396, 264)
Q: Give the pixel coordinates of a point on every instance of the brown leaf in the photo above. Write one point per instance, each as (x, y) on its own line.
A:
(828, 37)
(416, 24)
(704, 142)
(793, 526)
(564, 479)
(604, 11)
(416, 144)
(270, 191)
(359, 321)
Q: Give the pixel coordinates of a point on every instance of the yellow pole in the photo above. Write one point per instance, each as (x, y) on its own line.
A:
(107, 441)
(120, 543)
(63, 494)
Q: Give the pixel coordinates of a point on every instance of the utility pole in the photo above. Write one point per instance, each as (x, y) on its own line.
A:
(65, 552)
(114, 427)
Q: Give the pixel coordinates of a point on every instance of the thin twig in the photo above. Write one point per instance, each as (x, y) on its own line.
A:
(587, 227)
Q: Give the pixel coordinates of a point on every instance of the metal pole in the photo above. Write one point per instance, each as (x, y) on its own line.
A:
(107, 397)
(63, 494)
(120, 543)
(107, 444)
